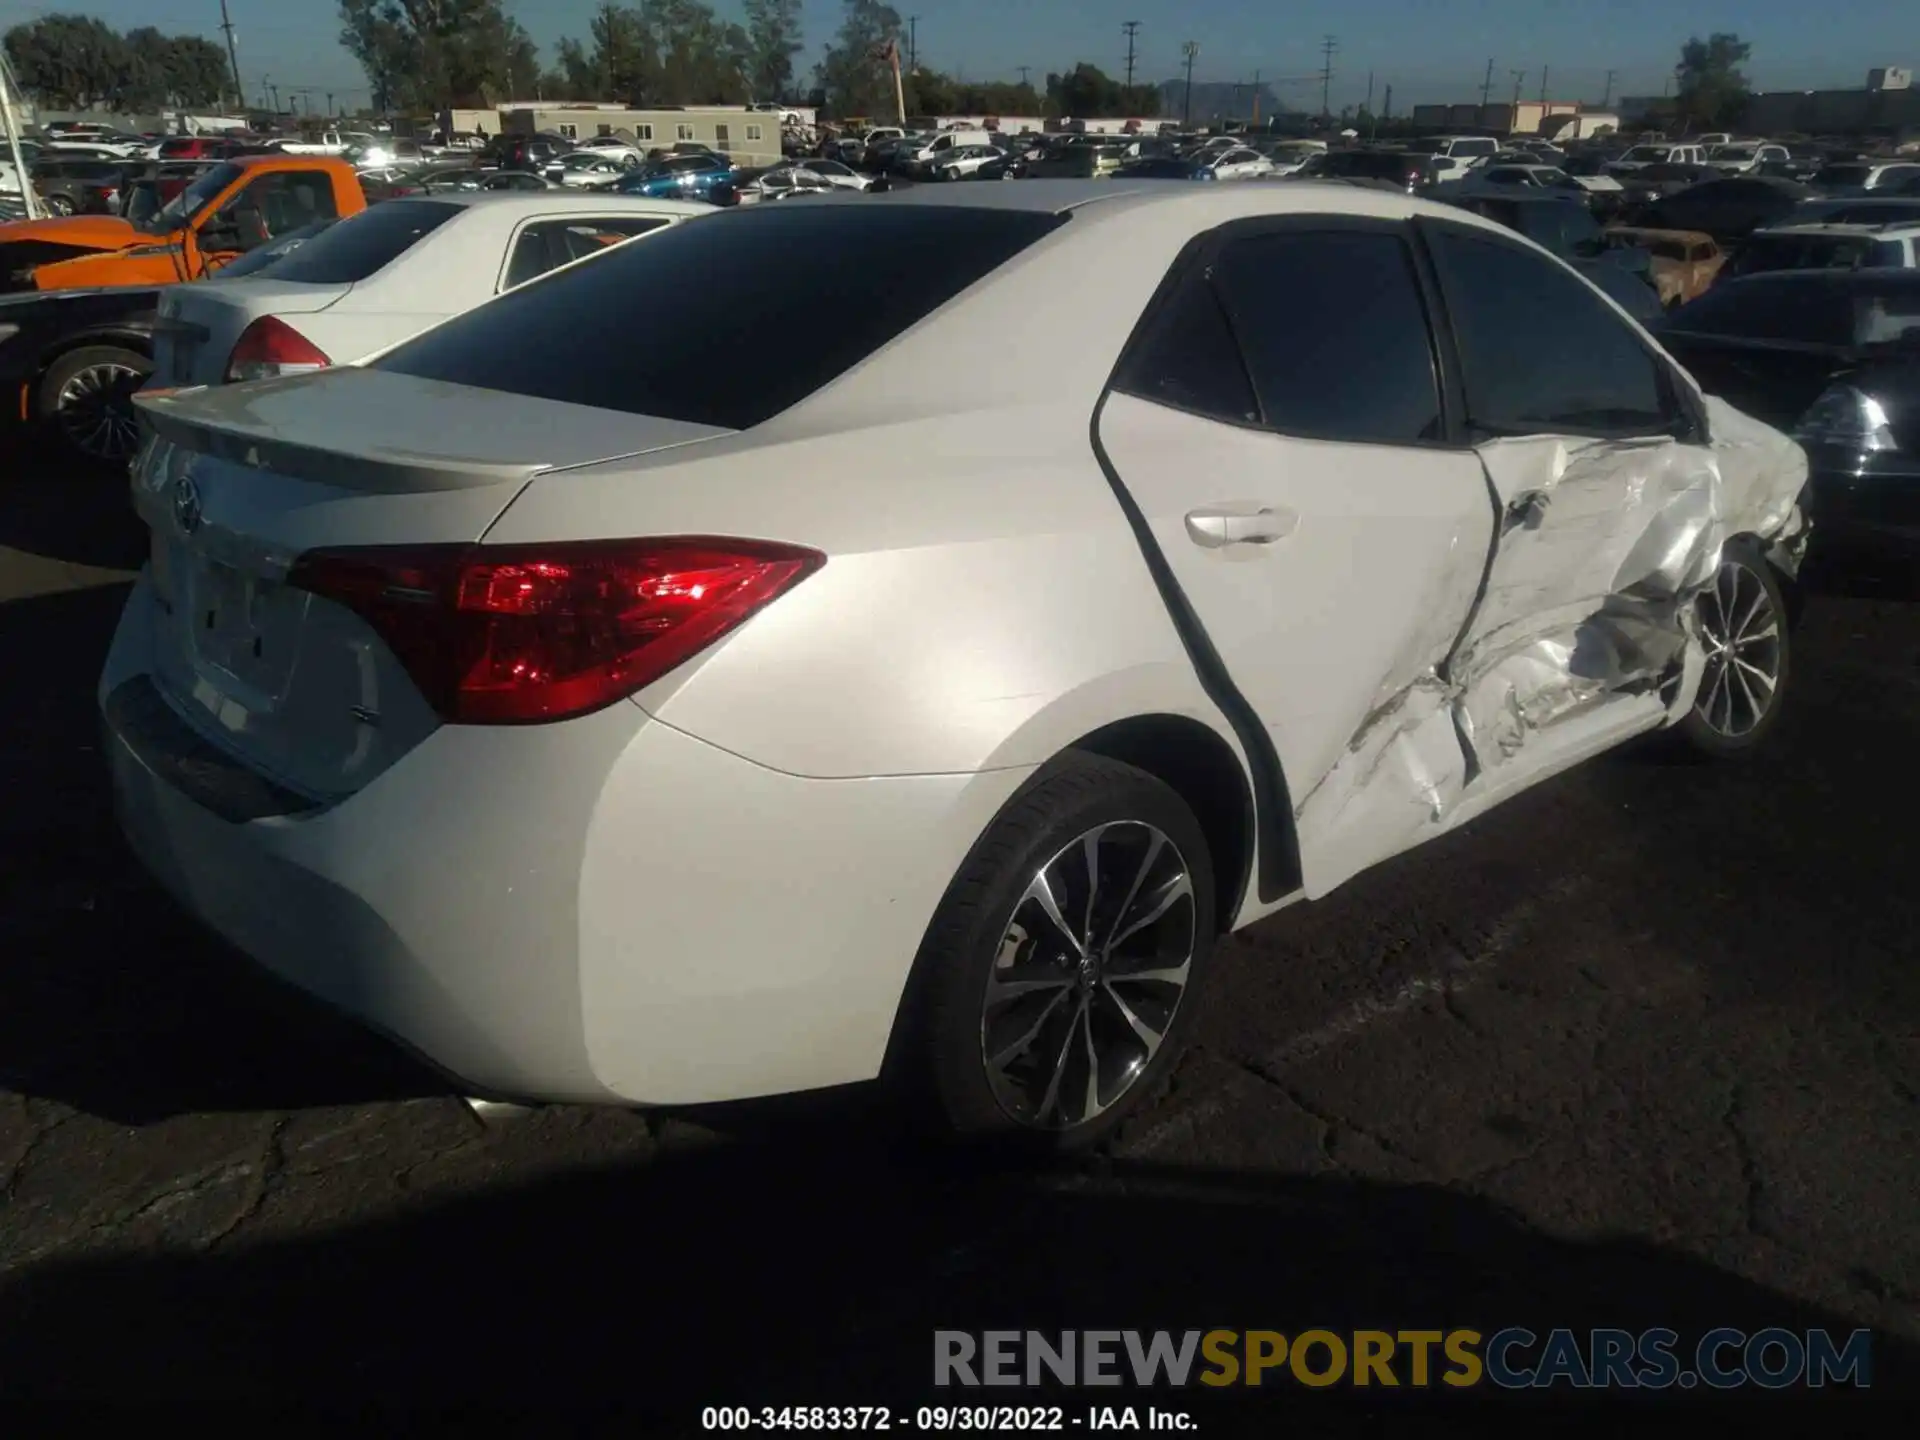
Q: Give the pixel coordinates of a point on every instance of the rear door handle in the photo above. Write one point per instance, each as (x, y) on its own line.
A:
(1216, 526)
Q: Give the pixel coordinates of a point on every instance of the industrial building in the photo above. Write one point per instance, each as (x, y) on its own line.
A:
(1526, 118)
(751, 136)
(1888, 104)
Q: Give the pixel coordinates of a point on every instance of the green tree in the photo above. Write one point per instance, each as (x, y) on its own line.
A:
(72, 61)
(1712, 91)
(856, 79)
(422, 54)
(773, 39)
(1087, 92)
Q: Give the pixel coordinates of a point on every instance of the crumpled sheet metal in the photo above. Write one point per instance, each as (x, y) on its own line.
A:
(1591, 597)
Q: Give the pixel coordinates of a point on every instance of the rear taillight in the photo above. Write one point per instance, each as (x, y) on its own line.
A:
(512, 634)
(270, 347)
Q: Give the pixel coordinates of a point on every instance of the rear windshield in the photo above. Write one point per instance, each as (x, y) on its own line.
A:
(364, 243)
(1801, 252)
(1843, 175)
(1372, 166)
(1765, 308)
(727, 320)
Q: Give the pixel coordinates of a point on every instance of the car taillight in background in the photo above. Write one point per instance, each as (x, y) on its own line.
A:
(501, 635)
(271, 347)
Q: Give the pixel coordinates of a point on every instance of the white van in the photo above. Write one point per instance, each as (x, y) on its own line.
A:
(946, 142)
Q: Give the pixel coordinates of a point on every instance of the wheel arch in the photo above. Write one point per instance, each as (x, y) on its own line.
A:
(1198, 765)
(131, 337)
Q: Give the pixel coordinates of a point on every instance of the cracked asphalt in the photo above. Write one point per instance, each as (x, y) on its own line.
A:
(1641, 1048)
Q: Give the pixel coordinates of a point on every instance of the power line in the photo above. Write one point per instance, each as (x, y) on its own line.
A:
(1131, 28)
(1329, 47)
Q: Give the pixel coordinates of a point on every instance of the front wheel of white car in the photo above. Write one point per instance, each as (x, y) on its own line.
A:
(1063, 966)
(1743, 619)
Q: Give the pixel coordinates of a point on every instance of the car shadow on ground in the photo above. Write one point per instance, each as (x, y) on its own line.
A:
(816, 1274)
(65, 510)
(111, 999)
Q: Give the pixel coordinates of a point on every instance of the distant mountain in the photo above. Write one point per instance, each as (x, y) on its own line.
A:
(1219, 100)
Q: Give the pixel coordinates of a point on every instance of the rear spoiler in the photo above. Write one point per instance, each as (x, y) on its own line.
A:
(344, 462)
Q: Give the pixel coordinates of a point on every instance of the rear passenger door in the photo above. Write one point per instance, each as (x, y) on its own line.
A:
(542, 245)
(1281, 424)
(1606, 483)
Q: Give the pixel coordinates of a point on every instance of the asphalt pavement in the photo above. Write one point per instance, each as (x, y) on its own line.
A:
(1640, 1048)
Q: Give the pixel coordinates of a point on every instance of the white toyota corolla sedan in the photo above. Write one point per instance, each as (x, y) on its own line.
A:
(899, 636)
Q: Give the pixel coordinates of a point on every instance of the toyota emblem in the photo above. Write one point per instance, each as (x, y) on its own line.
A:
(186, 505)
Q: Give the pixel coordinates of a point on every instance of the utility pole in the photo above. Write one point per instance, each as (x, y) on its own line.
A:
(913, 44)
(1190, 50)
(1386, 105)
(233, 57)
(274, 90)
(1369, 92)
(1519, 79)
(1607, 98)
(1329, 46)
(1544, 72)
(1130, 29)
(1025, 71)
(1256, 99)
(1486, 88)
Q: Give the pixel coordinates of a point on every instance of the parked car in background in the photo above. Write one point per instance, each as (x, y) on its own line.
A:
(1834, 357)
(82, 187)
(1408, 169)
(1747, 157)
(686, 177)
(836, 173)
(1683, 263)
(1510, 177)
(976, 162)
(571, 635)
(234, 207)
(1567, 230)
(71, 360)
(1728, 209)
(1860, 210)
(1289, 157)
(1826, 246)
(591, 167)
(387, 273)
(1239, 163)
(1864, 177)
(1454, 155)
(1641, 156)
(778, 182)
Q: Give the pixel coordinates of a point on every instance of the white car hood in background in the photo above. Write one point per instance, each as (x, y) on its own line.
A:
(1585, 624)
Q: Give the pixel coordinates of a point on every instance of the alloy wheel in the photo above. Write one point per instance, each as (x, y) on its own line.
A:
(1089, 974)
(95, 410)
(1740, 626)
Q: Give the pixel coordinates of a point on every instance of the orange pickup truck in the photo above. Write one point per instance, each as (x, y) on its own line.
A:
(235, 206)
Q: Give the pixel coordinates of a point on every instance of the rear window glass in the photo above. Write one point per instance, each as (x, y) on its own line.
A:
(362, 244)
(1800, 252)
(1764, 308)
(811, 289)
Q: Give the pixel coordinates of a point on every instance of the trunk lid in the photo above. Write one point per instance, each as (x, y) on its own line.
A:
(239, 481)
(199, 324)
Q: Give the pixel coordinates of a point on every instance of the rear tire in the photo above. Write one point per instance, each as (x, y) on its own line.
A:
(1045, 1007)
(85, 401)
(1744, 620)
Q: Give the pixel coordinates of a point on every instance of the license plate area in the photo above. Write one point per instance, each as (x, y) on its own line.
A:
(243, 625)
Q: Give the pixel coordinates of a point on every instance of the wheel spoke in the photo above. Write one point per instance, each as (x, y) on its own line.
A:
(1756, 674)
(1020, 1044)
(1753, 613)
(1092, 1105)
(1164, 899)
(1154, 847)
(1052, 1096)
(1165, 975)
(1149, 1037)
(1041, 893)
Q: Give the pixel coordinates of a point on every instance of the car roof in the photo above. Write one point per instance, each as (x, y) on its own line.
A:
(556, 202)
(1845, 228)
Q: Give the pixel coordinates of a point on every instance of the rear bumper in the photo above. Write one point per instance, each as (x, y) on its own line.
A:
(604, 910)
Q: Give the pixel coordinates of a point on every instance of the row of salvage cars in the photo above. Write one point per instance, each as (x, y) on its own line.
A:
(1153, 557)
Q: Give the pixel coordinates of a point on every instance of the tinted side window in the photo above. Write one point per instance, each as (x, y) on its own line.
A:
(1768, 309)
(1335, 334)
(1190, 360)
(849, 278)
(1542, 353)
(290, 199)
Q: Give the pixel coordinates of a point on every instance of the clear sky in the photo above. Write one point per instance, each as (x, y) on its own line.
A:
(1428, 50)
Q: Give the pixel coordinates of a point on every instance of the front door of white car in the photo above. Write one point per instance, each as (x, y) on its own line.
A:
(1325, 533)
